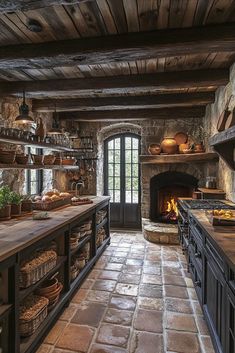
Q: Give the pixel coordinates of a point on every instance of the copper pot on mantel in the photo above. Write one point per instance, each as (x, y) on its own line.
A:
(154, 149)
(169, 145)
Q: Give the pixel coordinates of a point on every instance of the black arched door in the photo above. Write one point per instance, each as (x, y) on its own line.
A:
(122, 180)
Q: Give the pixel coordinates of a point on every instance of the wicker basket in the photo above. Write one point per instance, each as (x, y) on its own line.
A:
(22, 159)
(33, 312)
(69, 161)
(50, 205)
(7, 157)
(33, 270)
(49, 159)
(37, 159)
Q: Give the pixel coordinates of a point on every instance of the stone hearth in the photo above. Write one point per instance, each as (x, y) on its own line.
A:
(160, 233)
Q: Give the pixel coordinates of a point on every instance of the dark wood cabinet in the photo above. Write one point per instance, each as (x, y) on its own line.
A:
(230, 322)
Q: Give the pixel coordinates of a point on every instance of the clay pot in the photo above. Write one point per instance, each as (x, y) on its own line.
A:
(183, 147)
(15, 209)
(154, 149)
(199, 148)
(5, 213)
(169, 145)
(27, 206)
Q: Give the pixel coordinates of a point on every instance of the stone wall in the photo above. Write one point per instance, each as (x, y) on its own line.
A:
(225, 176)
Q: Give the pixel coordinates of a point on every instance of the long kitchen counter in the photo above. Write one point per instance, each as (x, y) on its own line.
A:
(17, 234)
(223, 237)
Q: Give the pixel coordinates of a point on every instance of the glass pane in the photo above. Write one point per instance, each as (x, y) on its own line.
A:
(135, 196)
(135, 143)
(110, 156)
(128, 170)
(117, 169)
(128, 143)
(110, 192)
(128, 196)
(110, 169)
(33, 188)
(117, 183)
(128, 156)
(128, 183)
(33, 175)
(110, 145)
(117, 156)
(135, 170)
(117, 196)
(135, 184)
(135, 156)
(117, 144)
(110, 184)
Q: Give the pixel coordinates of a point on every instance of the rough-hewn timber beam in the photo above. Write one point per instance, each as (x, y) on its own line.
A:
(118, 84)
(22, 5)
(137, 114)
(135, 46)
(124, 103)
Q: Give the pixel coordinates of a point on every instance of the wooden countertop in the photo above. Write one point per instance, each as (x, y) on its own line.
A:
(222, 236)
(16, 235)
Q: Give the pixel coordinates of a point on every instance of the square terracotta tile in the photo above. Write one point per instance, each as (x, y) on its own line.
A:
(145, 342)
(98, 296)
(113, 275)
(113, 335)
(89, 314)
(197, 308)
(98, 348)
(176, 292)
(207, 344)
(135, 255)
(75, 338)
(80, 296)
(152, 270)
(104, 284)
(180, 322)
(178, 305)
(129, 278)
(181, 341)
(132, 269)
(148, 320)
(69, 312)
(127, 289)
(119, 317)
(151, 303)
(150, 290)
(116, 259)
(202, 325)
(174, 280)
(44, 348)
(120, 253)
(135, 262)
(87, 284)
(113, 266)
(151, 279)
(123, 302)
(93, 274)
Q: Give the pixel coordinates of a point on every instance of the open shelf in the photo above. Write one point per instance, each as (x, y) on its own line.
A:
(33, 166)
(224, 145)
(4, 309)
(101, 224)
(178, 158)
(81, 244)
(44, 145)
(25, 292)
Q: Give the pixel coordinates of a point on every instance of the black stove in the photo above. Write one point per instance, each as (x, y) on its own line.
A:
(207, 204)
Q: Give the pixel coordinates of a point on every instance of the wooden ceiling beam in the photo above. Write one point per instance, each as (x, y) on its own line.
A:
(137, 114)
(133, 84)
(124, 103)
(120, 48)
(22, 5)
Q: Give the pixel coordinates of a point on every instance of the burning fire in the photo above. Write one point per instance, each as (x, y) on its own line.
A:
(172, 207)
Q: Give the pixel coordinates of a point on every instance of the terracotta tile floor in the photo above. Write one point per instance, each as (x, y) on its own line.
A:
(139, 298)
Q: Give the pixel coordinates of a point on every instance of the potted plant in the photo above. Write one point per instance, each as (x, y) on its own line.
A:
(26, 205)
(5, 207)
(15, 200)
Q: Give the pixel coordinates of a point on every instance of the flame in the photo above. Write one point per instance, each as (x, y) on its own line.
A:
(172, 206)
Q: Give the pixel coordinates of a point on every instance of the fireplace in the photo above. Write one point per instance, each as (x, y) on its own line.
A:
(165, 189)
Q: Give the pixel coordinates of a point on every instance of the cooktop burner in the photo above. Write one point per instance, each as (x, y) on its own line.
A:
(207, 204)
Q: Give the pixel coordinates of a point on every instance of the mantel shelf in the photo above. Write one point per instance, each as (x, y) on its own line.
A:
(224, 144)
(178, 158)
(32, 166)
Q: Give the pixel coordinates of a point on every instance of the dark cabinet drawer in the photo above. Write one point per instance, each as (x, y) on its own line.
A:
(230, 322)
(213, 253)
(196, 275)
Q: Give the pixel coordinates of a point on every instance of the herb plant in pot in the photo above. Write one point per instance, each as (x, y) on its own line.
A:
(16, 201)
(5, 207)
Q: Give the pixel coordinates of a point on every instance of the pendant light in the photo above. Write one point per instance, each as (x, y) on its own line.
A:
(24, 117)
(55, 129)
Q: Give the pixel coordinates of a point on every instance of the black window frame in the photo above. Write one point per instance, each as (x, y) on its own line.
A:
(39, 176)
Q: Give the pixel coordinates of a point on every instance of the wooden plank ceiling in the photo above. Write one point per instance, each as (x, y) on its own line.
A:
(95, 56)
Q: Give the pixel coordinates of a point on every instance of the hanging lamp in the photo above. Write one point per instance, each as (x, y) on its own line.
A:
(55, 129)
(24, 117)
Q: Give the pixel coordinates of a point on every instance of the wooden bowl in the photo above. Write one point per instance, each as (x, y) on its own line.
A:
(37, 159)
(52, 295)
(49, 286)
(49, 159)
(68, 161)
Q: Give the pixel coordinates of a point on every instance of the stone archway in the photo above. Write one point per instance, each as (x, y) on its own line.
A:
(104, 133)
